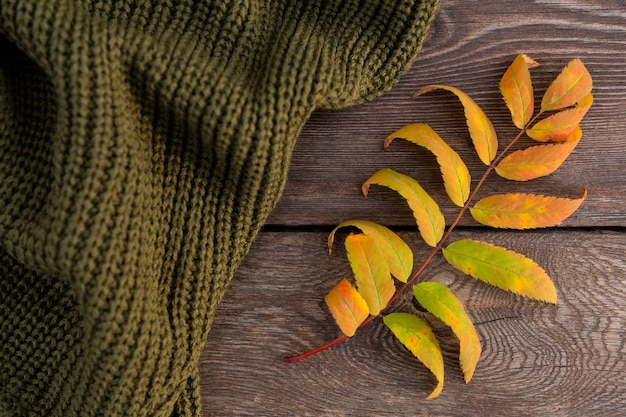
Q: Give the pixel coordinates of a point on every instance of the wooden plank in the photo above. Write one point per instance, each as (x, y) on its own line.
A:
(470, 46)
(538, 359)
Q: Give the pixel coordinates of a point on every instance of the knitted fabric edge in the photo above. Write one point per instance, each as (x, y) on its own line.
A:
(142, 146)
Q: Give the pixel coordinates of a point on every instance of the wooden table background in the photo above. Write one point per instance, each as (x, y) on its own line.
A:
(537, 359)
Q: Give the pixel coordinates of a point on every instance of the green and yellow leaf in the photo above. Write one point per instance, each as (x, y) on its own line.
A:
(440, 301)
(456, 176)
(569, 87)
(502, 268)
(517, 90)
(430, 221)
(559, 126)
(480, 128)
(347, 306)
(536, 161)
(419, 339)
(371, 272)
(395, 251)
(524, 211)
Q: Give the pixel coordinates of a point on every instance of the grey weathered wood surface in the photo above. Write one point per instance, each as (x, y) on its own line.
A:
(538, 359)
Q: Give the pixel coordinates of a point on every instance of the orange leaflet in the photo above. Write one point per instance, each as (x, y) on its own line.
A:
(456, 176)
(371, 272)
(396, 252)
(559, 126)
(502, 268)
(419, 339)
(430, 221)
(347, 306)
(439, 300)
(536, 161)
(480, 128)
(524, 211)
(517, 90)
(571, 85)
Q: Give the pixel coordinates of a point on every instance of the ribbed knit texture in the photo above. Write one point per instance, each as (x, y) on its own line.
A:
(142, 145)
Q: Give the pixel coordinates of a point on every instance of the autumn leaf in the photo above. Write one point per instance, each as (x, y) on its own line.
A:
(443, 304)
(347, 306)
(456, 176)
(430, 221)
(536, 161)
(395, 251)
(371, 272)
(480, 128)
(502, 268)
(419, 339)
(559, 126)
(569, 87)
(517, 90)
(524, 211)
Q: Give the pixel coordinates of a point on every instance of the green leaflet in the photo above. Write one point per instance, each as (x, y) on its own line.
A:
(419, 339)
(501, 267)
(440, 301)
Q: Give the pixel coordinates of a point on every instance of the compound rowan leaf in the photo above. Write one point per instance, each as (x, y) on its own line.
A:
(430, 221)
(569, 87)
(503, 268)
(371, 272)
(559, 126)
(395, 251)
(347, 306)
(419, 339)
(517, 91)
(480, 128)
(524, 211)
(456, 176)
(536, 161)
(441, 302)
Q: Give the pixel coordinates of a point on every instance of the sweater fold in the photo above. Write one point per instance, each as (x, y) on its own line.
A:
(142, 146)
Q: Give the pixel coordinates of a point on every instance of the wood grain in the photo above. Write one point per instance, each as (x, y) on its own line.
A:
(538, 359)
(470, 46)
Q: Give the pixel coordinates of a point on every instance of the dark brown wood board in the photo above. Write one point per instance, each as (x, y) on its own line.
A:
(538, 359)
(470, 46)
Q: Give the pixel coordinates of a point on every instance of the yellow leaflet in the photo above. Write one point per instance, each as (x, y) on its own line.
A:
(536, 161)
(371, 272)
(517, 91)
(569, 87)
(456, 176)
(524, 211)
(395, 251)
(430, 221)
(559, 126)
(480, 128)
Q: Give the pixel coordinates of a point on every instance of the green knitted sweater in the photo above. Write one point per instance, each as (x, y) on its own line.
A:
(142, 145)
